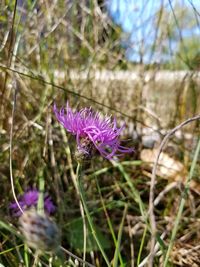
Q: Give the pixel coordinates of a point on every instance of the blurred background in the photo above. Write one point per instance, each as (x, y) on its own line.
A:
(140, 57)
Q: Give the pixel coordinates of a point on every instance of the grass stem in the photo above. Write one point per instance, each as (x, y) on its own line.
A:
(82, 195)
(182, 204)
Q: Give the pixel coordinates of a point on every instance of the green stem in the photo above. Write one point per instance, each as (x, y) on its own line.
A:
(135, 193)
(117, 250)
(40, 204)
(141, 245)
(182, 204)
(109, 222)
(26, 257)
(83, 216)
(82, 195)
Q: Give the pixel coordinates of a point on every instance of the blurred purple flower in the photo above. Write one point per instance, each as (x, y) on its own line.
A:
(90, 128)
(30, 199)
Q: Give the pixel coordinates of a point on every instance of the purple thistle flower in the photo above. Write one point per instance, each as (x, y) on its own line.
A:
(90, 128)
(30, 199)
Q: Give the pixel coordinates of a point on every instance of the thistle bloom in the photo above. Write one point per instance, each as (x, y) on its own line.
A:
(30, 199)
(92, 131)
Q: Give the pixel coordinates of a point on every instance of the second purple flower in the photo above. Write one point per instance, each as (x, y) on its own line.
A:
(92, 131)
(30, 199)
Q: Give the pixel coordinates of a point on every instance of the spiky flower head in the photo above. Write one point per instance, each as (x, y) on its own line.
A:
(39, 231)
(92, 131)
(30, 199)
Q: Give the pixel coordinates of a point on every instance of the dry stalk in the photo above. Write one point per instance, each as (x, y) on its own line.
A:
(152, 186)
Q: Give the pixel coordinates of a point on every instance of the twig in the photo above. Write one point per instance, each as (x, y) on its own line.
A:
(158, 253)
(36, 259)
(152, 186)
(75, 257)
(10, 144)
(181, 205)
(165, 191)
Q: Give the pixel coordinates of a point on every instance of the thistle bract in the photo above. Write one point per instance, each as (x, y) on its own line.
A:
(90, 127)
(39, 231)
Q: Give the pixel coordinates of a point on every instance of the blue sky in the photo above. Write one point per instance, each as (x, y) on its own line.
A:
(137, 20)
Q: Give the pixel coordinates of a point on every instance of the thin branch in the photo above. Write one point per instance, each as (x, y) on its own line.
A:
(10, 144)
(75, 257)
(153, 182)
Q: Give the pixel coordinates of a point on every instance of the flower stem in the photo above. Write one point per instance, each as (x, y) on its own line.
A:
(83, 216)
(82, 195)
